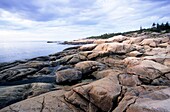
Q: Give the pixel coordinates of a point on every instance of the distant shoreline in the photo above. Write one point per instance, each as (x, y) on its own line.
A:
(13, 51)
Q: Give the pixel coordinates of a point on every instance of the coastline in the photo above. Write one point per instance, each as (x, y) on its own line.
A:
(12, 51)
(123, 72)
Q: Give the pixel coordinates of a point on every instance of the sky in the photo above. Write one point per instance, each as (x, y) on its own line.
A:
(74, 19)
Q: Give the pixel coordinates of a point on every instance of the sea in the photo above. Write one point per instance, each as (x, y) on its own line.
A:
(21, 50)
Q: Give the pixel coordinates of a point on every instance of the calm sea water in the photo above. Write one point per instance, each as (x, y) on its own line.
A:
(11, 51)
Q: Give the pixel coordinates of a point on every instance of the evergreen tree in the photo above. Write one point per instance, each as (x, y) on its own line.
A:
(167, 26)
(158, 27)
(162, 26)
(153, 25)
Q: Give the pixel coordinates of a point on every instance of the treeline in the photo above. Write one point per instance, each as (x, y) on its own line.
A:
(160, 28)
(104, 36)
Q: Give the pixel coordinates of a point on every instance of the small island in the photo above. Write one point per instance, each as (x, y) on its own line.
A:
(53, 42)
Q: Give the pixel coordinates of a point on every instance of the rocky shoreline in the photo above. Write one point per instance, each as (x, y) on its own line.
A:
(119, 74)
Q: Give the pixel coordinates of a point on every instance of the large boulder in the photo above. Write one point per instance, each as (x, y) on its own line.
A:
(119, 38)
(129, 80)
(157, 101)
(148, 70)
(68, 75)
(69, 59)
(162, 58)
(150, 42)
(97, 54)
(89, 66)
(77, 58)
(131, 61)
(113, 62)
(156, 58)
(144, 99)
(87, 47)
(165, 39)
(155, 51)
(105, 73)
(114, 47)
(100, 95)
(134, 40)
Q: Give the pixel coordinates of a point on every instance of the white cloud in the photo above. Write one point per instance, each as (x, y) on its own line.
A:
(68, 19)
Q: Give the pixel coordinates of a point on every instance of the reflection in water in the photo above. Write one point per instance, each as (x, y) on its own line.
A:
(11, 51)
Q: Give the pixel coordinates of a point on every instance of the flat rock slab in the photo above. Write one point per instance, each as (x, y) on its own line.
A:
(13, 94)
(49, 102)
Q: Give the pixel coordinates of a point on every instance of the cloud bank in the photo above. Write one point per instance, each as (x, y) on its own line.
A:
(73, 19)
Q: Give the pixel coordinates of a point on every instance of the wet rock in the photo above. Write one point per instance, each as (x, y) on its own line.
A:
(45, 70)
(16, 74)
(4, 66)
(41, 58)
(68, 75)
(17, 93)
(69, 59)
(63, 67)
(52, 58)
(77, 58)
(33, 64)
(72, 48)
(161, 81)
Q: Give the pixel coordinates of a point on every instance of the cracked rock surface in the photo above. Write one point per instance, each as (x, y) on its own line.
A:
(120, 74)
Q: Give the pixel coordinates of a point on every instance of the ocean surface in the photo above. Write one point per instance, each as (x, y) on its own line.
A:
(12, 51)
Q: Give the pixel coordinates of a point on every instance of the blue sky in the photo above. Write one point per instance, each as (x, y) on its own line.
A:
(73, 19)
